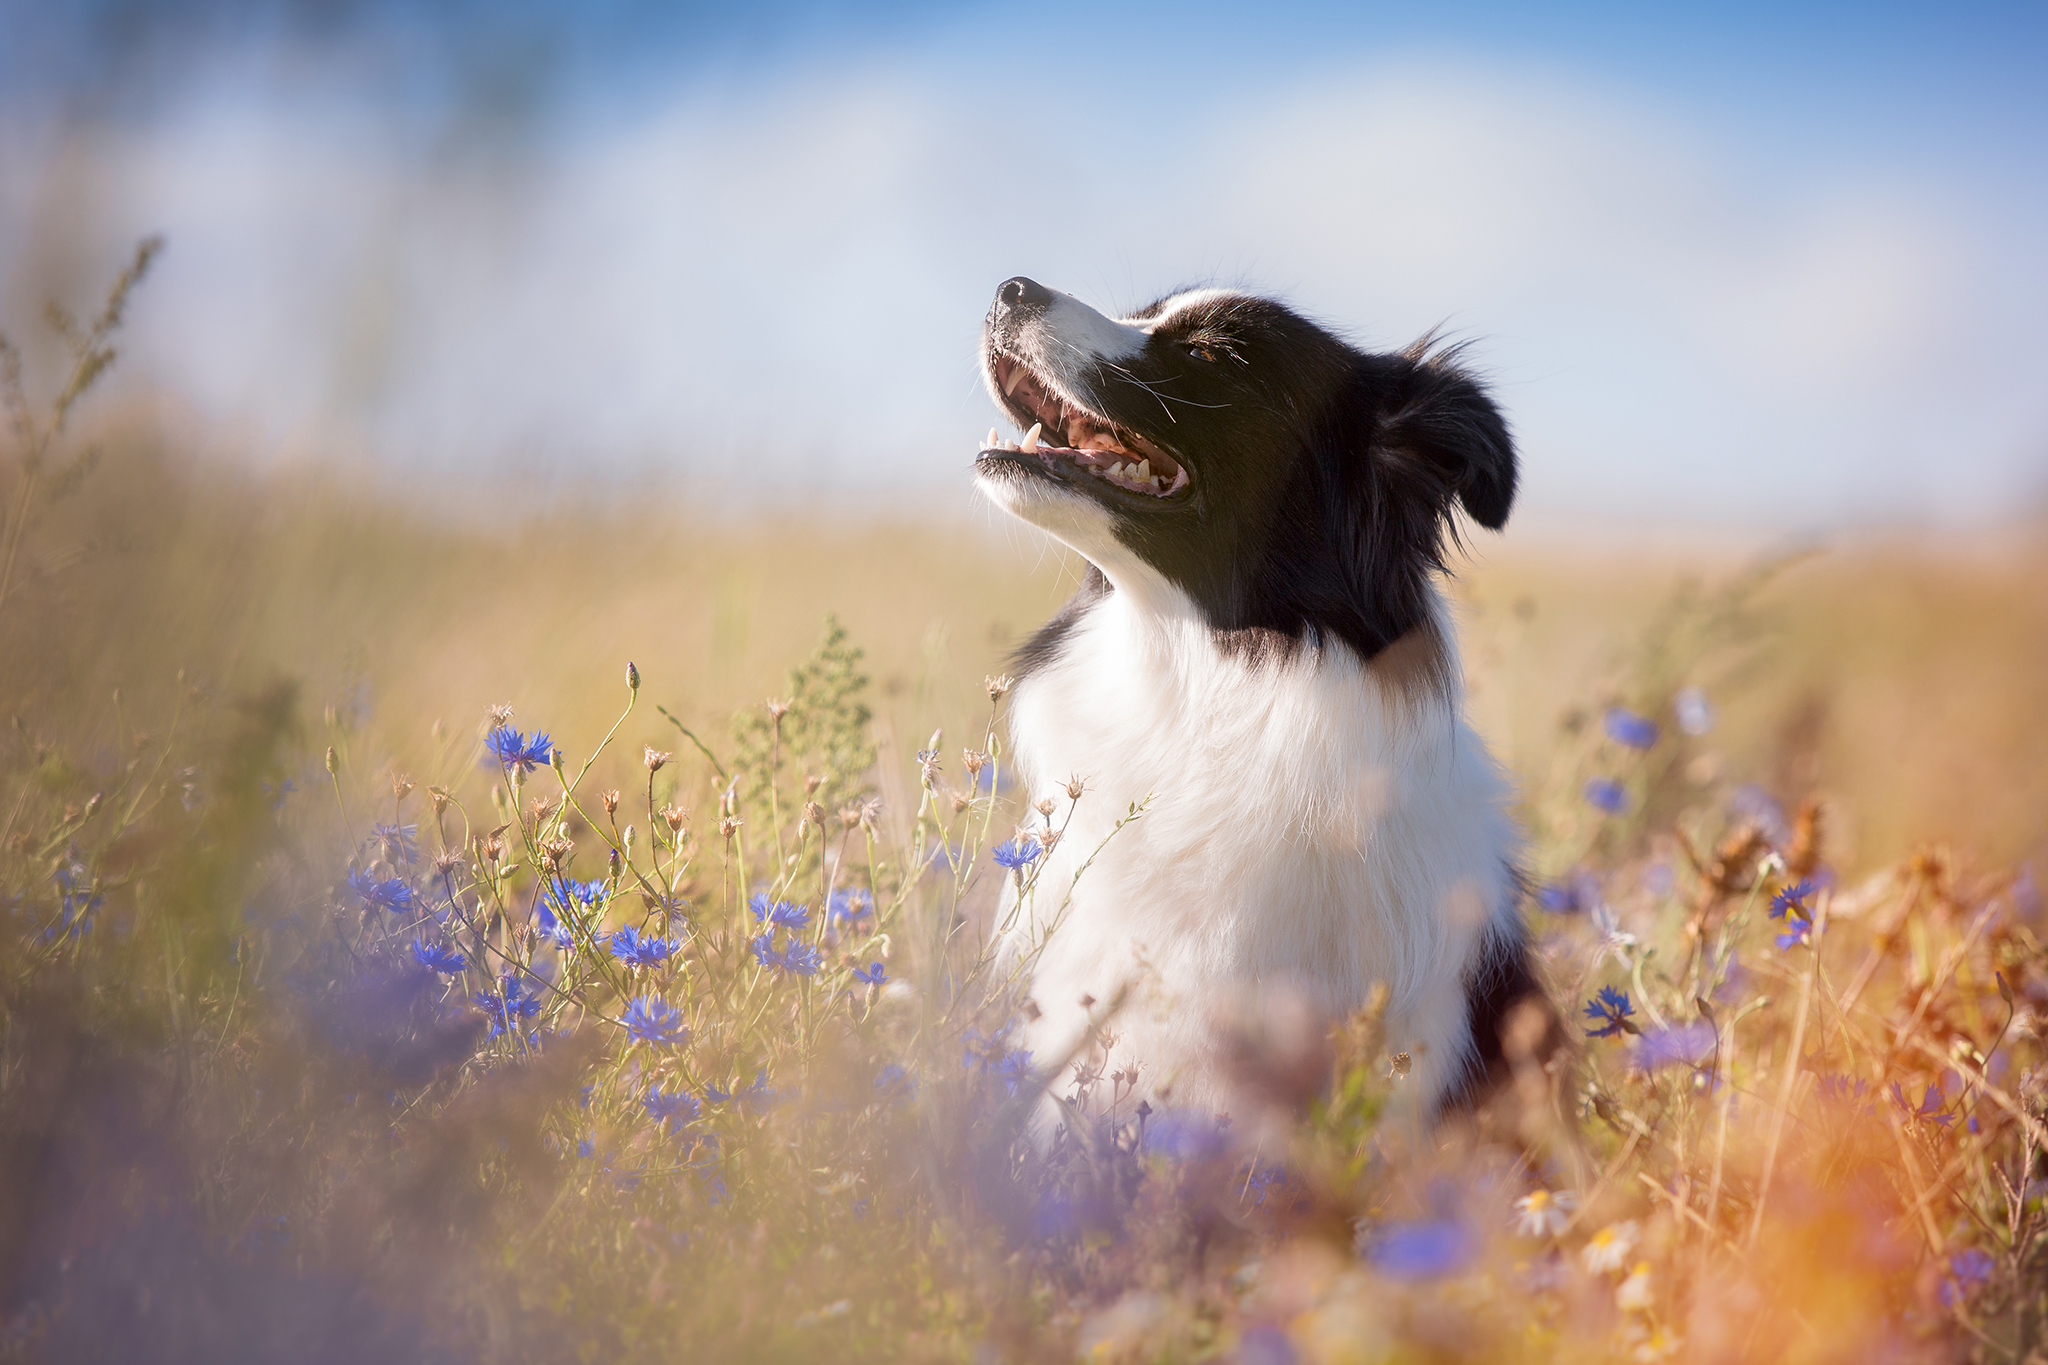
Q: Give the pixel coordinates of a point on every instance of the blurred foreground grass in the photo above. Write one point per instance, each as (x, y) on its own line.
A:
(343, 1017)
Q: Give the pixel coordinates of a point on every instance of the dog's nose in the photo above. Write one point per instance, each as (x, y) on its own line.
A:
(1019, 294)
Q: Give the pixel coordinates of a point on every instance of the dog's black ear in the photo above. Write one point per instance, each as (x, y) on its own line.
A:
(1440, 426)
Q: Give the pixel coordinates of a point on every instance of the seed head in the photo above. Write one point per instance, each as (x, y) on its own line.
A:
(654, 758)
(974, 760)
(490, 847)
(1044, 807)
(555, 852)
(500, 715)
(814, 814)
(999, 686)
(728, 826)
(1047, 838)
(777, 710)
(1074, 788)
(439, 796)
(674, 815)
(611, 802)
(401, 787)
(542, 808)
(960, 801)
(447, 861)
(1401, 1065)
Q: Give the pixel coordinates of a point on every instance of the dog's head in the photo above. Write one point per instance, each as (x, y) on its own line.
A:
(1279, 478)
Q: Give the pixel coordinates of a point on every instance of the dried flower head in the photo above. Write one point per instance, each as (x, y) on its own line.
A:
(439, 796)
(401, 786)
(542, 807)
(674, 816)
(1043, 806)
(998, 686)
(555, 852)
(974, 761)
(654, 758)
(728, 826)
(777, 710)
(814, 815)
(812, 782)
(1399, 1066)
(611, 802)
(447, 861)
(1074, 788)
(499, 716)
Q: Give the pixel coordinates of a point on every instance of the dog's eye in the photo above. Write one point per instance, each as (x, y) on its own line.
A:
(1202, 353)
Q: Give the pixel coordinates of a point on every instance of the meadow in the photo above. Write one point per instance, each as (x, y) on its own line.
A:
(452, 920)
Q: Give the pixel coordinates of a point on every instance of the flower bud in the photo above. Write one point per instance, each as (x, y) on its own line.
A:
(333, 763)
(632, 677)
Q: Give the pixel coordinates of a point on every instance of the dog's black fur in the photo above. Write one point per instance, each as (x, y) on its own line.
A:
(1321, 478)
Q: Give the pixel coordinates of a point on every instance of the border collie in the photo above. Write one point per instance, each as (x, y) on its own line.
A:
(1260, 647)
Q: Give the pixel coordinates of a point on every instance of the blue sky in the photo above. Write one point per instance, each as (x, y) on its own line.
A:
(1741, 264)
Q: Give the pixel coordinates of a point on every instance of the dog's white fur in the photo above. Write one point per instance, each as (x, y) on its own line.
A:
(1315, 824)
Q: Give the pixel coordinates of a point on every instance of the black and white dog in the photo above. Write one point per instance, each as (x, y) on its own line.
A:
(1261, 648)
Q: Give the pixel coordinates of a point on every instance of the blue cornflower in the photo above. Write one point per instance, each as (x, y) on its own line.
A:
(1966, 1270)
(651, 1020)
(1422, 1251)
(393, 893)
(511, 1002)
(991, 1056)
(439, 957)
(784, 913)
(1019, 852)
(629, 946)
(802, 959)
(850, 905)
(1613, 1009)
(1789, 905)
(1792, 900)
(1606, 794)
(399, 843)
(672, 1107)
(875, 974)
(514, 750)
(1626, 727)
(1932, 1101)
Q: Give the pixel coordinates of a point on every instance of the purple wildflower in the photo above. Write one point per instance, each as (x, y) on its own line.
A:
(1612, 1007)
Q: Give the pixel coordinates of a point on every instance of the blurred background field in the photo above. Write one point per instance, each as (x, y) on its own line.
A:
(1900, 674)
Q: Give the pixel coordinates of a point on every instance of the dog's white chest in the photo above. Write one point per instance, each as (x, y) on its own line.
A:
(1306, 830)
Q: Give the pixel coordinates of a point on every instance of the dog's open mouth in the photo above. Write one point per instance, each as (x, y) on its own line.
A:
(1063, 435)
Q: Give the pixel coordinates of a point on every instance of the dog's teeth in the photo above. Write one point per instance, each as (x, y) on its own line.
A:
(1031, 437)
(995, 439)
(1145, 471)
(1016, 378)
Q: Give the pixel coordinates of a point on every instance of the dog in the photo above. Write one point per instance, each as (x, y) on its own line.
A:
(1260, 664)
